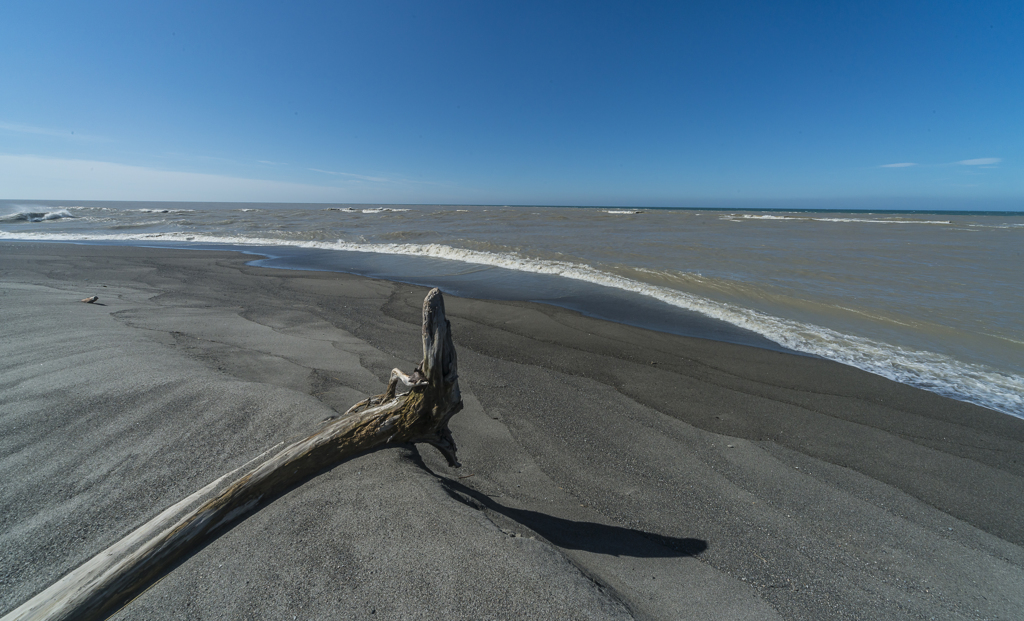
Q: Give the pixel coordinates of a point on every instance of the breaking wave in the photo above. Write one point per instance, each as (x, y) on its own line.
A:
(36, 216)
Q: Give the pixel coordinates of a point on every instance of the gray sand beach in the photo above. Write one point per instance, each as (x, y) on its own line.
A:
(607, 471)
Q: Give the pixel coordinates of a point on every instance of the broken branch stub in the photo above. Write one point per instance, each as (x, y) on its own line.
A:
(422, 414)
(112, 578)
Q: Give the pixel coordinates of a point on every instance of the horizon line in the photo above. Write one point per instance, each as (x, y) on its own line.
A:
(952, 210)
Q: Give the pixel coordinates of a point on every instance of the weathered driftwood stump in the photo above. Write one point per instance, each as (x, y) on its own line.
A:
(115, 576)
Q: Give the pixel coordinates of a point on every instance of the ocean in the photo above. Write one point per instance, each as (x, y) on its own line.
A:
(930, 299)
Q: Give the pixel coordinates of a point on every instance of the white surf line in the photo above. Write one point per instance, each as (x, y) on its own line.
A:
(930, 371)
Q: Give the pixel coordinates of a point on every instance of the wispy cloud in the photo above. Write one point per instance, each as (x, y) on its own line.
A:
(986, 162)
(351, 175)
(34, 177)
(394, 182)
(46, 131)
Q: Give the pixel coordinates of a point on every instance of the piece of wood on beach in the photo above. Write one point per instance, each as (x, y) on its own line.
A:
(90, 300)
(112, 578)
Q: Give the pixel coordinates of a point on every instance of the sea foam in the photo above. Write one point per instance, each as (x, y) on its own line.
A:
(36, 216)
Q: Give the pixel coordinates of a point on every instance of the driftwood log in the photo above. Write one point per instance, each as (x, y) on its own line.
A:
(105, 583)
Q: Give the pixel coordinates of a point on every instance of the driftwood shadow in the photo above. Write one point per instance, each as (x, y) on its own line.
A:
(576, 535)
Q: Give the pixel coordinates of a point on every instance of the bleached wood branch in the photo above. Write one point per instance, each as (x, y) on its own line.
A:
(103, 584)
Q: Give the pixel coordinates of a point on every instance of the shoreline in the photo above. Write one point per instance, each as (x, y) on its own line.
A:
(975, 383)
(590, 299)
(816, 490)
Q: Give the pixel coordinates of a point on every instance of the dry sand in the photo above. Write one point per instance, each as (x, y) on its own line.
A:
(608, 471)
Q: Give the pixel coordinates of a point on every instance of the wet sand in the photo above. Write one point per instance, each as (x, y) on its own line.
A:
(608, 471)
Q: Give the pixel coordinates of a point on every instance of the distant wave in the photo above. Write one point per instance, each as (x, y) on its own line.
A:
(748, 216)
(137, 225)
(938, 373)
(969, 226)
(628, 212)
(995, 226)
(162, 210)
(36, 216)
(367, 210)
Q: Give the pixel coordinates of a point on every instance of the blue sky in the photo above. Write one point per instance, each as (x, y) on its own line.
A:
(858, 104)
